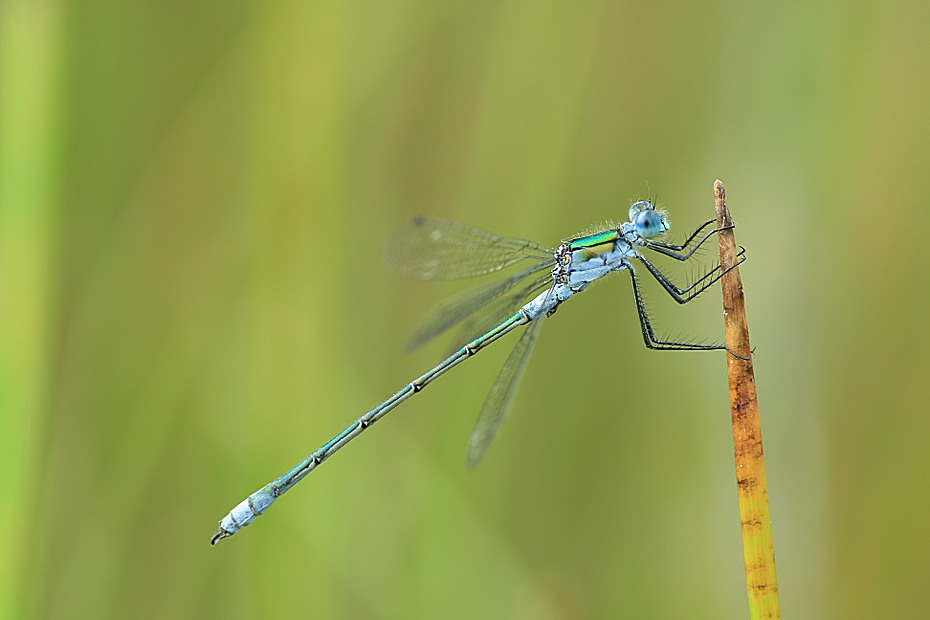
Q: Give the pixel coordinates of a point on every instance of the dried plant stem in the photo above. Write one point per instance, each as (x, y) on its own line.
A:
(758, 549)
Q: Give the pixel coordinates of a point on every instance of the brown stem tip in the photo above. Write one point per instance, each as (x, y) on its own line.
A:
(758, 548)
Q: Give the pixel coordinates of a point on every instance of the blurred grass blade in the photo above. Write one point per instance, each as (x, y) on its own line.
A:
(28, 71)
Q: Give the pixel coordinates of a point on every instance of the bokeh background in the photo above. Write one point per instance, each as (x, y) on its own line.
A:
(193, 198)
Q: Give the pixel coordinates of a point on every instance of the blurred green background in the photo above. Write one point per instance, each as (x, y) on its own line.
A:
(193, 198)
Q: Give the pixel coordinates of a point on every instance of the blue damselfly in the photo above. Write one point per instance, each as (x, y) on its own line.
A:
(437, 249)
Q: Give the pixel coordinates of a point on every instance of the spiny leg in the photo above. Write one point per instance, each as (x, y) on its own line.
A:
(671, 250)
(649, 336)
(687, 241)
(684, 295)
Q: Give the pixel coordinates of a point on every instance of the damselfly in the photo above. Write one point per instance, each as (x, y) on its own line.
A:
(436, 249)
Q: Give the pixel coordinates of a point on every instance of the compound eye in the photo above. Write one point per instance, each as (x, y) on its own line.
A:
(649, 223)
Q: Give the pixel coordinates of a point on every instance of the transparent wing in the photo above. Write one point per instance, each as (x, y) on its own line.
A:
(499, 399)
(494, 300)
(431, 248)
(486, 318)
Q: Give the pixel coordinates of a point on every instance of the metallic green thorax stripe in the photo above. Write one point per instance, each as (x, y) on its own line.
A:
(600, 238)
(594, 245)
